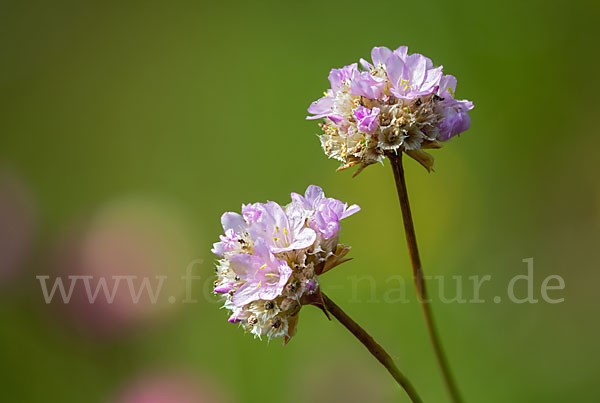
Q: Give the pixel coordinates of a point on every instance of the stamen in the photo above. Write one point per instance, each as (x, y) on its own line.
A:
(262, 267)
(404, 82)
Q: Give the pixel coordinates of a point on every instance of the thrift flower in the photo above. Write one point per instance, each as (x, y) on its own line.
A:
(263, 274)
(271, 255)
(367, 120)
(399, 102)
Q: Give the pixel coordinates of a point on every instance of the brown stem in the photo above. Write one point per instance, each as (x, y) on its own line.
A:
(375, 349)
(413, 250)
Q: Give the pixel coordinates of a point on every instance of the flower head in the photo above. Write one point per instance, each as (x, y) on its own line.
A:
(399, 102)
(271, 256)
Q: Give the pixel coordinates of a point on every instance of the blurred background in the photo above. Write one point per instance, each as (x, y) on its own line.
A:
(127, 129)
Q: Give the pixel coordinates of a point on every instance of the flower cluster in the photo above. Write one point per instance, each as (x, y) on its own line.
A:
(271, 255)
(399, 102)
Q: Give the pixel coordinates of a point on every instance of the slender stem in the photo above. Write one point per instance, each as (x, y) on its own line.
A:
(413, 250)
(375, 349)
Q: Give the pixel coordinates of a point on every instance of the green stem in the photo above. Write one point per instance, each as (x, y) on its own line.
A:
(375, 349)
(413, 250)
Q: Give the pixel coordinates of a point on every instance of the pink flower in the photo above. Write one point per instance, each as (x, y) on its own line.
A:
(265, 276)
(367, 119)
(233, 224)
(282, 232)
(325, 213)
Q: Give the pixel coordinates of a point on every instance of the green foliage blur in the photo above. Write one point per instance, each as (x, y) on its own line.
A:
(194, 108)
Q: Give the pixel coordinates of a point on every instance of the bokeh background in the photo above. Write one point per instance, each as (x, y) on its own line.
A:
(127, 128)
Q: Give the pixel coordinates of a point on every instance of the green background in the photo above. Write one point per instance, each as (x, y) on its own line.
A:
(201, 106)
